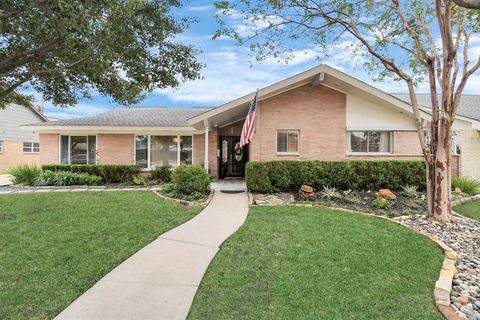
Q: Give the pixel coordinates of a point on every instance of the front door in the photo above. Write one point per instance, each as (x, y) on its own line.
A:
(232, 157)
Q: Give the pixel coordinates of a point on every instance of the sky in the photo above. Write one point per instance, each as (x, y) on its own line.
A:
(230, 71)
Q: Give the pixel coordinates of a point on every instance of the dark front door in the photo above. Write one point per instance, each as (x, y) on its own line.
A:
(232, 157)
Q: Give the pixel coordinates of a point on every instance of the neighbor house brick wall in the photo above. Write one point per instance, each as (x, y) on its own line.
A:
(115, 149)
(13, 155)
(318, 112)
(49, 148)
(470, 158)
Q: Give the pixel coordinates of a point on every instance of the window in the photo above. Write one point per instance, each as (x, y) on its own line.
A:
(287, 141)
(456, 150)
(78, 149)
(1, 146)
(157, 151)
(369, 141)
(31, 147)
(141, 151)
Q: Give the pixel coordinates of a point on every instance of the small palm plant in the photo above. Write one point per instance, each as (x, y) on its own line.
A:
(330, 193)
(410, 190)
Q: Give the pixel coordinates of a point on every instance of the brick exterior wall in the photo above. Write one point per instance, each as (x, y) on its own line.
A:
(13, 155)
(199, 150)
(470, 148)
(115, 149)
(406, 142)
(49, 149)
(318, 112)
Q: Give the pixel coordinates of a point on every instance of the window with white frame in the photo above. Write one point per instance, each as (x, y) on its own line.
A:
(1, 146)
(31, 147)
(156, 151)
(78, 149)
(456, 150)
(369, 141)
(288, 141)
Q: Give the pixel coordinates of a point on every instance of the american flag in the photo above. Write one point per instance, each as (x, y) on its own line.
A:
(248, 126)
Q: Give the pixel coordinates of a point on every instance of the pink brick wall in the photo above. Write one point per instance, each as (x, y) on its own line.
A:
(49, 148)
(199, 150)
(318, 112)
(13, 155)
(115, 149)
(406, 142)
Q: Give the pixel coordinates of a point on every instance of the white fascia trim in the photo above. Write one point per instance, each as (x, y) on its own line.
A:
(106, 129)
(299, 80)
(379, 128)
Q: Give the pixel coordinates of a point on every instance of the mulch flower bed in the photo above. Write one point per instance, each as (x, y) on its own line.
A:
(364, 201)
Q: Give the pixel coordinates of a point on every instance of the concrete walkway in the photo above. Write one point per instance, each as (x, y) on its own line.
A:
(160, 281)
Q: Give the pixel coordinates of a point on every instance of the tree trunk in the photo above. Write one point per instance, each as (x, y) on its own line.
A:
(430, 188)
(442, 202)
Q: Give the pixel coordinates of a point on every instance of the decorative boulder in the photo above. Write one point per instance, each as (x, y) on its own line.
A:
(307, 193)
(306, 188)
(457, 190)
(387, 195)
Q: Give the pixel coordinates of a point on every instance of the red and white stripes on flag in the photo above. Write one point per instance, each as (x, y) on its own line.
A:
(249, 125)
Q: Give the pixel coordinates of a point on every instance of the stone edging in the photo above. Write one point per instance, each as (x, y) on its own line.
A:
(185, 202)
(466, 199)
(443, 286)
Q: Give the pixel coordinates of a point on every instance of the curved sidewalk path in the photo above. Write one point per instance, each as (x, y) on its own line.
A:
(160, 280)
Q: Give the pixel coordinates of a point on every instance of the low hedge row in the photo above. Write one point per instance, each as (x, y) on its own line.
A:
(289, 175)
(108, 172)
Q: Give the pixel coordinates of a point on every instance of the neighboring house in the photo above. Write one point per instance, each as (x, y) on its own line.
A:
(18, 146)
(321, 114)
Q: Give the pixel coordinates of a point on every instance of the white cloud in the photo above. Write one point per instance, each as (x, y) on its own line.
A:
(200, 8)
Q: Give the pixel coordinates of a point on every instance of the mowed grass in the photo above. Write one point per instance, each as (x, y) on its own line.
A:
(54, 246)
(469, 209)
(313, 263)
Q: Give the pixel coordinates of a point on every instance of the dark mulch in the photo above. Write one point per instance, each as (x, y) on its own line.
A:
(364, 201)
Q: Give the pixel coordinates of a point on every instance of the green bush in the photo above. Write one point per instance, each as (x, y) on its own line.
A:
(289, 175)
(108, 172)
(24, 174)
(467, 185)
(65, 178)
(190, 179)
(139, 181)
(164, 174)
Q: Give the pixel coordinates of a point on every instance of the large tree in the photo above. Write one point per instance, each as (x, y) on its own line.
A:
(66, 50)
(409, 41)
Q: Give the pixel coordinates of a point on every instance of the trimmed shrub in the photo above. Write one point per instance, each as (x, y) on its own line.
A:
(24, 174)
(467, 185)
(256, 177)
(108, 172)
(65, 178)
(164, 174)
(289, 175)
(190, 179)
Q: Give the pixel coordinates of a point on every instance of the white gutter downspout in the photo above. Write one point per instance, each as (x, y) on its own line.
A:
(205, 163)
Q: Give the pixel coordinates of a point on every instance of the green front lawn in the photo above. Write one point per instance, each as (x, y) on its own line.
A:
(313, 263)
(55, 246)
(469, 209)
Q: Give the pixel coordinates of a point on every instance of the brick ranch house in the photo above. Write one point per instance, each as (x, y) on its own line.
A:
(18, 146)
(321, 114)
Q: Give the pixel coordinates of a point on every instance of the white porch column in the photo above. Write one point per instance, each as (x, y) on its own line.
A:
(205, 163)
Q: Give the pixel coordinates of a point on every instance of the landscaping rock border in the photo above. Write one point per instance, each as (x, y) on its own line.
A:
(465, 199)
(186, 202)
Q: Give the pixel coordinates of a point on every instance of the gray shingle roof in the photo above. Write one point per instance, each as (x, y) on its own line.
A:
(135, 117)
(469, 104)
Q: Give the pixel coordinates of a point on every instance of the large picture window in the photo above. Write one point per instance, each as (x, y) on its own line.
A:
(288, 141)
(157, 151)
(78, 149)
(369, 141)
